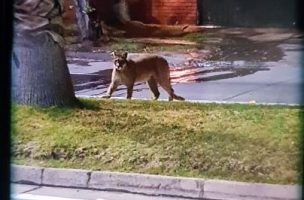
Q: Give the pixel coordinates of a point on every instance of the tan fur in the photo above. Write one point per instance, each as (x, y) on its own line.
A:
(152, 69)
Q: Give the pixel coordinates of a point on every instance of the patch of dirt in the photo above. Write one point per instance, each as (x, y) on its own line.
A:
(164, 41)
(139, 29)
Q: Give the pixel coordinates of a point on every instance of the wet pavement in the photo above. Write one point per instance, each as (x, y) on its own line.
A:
(233, 65)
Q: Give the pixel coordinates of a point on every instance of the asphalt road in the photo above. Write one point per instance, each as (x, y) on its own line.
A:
(277, 82)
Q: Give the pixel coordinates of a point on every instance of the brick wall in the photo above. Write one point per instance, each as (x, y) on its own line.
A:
(171, 11)
(147, 11)
(157, 11)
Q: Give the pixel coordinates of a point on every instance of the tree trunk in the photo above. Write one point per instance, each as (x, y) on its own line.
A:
(121, 10)
(82, 18)
(39, 69)
(40, 73)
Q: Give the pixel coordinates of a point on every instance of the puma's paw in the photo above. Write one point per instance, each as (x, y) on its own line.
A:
(106, 96)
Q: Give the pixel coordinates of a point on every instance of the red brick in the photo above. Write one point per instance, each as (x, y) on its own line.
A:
(170, 11)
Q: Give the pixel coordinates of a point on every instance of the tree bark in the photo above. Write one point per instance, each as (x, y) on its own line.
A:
(121, 11)
(40, 73)
(82, 18)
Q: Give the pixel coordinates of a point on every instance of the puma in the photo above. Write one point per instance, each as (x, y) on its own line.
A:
(152, 69)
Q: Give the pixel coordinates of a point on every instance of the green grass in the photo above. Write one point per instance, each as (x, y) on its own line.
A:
(198, 37)
(233, 142)
(131, 45)
(126, 45)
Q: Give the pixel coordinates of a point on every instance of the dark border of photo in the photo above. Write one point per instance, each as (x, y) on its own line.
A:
(6, 35)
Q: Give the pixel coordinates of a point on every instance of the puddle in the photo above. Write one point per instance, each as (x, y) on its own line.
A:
(200, 71)
(237, 48)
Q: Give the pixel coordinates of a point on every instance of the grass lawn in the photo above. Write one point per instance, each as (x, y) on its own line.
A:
(135, 45)
(233, 142)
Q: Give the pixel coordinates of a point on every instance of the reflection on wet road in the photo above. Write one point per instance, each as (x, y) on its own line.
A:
(214, 70)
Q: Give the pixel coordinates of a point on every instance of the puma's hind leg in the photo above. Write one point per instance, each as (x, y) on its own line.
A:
(166, 85)
(153, 87)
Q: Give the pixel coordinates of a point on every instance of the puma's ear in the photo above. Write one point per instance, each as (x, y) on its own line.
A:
(125, 55)
(114, 54)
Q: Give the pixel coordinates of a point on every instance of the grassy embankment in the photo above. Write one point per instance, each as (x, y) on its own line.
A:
(233, 142)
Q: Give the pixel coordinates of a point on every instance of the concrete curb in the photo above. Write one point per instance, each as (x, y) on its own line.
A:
(153, 184)
(199, 101)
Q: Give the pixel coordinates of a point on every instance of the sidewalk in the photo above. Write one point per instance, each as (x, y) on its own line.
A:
(154, 185)
(34, 192)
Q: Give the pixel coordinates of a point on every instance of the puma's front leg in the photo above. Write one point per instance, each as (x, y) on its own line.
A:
(130, 90)
(113, 86)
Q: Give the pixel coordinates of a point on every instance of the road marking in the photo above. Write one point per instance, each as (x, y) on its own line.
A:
(39, 197)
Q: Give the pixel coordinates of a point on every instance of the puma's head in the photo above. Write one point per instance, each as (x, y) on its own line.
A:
(120, 61)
